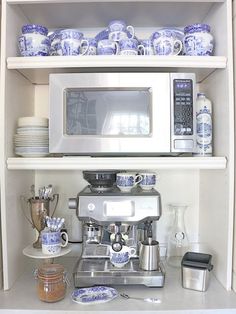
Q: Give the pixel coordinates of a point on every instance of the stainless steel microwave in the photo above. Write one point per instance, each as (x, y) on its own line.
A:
(122, 113)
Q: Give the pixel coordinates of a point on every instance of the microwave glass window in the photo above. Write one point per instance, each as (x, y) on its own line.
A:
(107, 112)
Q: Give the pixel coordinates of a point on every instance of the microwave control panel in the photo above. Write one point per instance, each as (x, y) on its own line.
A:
(183, 106)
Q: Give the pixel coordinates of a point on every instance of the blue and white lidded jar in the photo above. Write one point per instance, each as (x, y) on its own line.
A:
(198, 40)
(204, 126)
(34, 41)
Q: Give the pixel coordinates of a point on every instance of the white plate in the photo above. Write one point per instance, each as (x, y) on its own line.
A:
(32, 155)
(33, 121)
(29, 136)
(94, 295)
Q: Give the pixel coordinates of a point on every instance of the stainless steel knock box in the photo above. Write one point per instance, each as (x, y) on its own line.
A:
(195, 271)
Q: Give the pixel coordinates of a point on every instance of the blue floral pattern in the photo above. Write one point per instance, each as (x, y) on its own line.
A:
(98, 294)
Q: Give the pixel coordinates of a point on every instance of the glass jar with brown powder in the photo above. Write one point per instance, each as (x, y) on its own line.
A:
(51, 282)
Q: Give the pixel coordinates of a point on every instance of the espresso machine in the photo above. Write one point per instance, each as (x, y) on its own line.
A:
(112, 218)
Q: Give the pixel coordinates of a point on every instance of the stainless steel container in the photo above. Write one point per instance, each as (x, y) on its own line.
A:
(149, 255)
(196, 268)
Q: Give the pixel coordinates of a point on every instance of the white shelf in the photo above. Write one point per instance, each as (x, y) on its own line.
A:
(22, 298)
(110, 1)
(37, 253)
(37, 69)
(92, 163)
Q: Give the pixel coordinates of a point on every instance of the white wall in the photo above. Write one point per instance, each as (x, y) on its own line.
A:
(234, 34)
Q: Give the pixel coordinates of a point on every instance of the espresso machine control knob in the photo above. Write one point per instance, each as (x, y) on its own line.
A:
(73, 203)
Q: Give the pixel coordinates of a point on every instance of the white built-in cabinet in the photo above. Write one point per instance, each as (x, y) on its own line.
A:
(206, 184)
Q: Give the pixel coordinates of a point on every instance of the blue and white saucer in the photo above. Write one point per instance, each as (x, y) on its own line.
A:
(94, 295)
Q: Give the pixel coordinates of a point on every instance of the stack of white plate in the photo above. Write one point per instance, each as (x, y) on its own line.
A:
(31, 138)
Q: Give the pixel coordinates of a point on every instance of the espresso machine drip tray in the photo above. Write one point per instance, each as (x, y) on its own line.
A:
(92, 271)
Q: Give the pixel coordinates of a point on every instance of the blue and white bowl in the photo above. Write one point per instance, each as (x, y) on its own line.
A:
(198, 40)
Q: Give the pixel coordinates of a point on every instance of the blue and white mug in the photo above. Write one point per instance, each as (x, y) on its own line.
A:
(70, 42)
(125, 181)
(52, 243)
(148, 181)
(34, 41)
(166, 44)
(128, 46)
(88, 46)
(118, 30)
(119, 259)
(146, 47)
(107, 47)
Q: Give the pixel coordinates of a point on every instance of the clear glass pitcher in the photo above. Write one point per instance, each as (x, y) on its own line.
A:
(177, 241)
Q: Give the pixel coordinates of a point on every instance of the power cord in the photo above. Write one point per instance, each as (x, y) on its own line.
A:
(64, 239)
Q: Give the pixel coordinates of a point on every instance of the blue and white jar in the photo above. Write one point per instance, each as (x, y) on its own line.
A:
(204, 126)
(198, 40)
(34, 41)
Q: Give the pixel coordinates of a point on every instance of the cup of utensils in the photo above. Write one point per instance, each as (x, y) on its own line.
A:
(126, 181)
(52, 236)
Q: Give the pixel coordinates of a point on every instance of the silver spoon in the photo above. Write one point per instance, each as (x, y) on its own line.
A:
(150, 300)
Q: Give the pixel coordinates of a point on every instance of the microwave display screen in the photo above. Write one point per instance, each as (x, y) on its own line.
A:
(119, 112)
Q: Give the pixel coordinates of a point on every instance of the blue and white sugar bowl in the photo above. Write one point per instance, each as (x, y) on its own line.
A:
(34, 41)
(198, 40)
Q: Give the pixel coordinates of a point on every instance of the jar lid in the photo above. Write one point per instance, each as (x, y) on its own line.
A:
(50, 271)
(197, 28)
(34, 28)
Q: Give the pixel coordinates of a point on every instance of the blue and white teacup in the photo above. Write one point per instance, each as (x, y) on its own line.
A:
(165, 44)
(107, 47)
(51, 242)
(125, 181)
(119, 259)
(70, 42)
(118, 30)
(128, 46)
(89, 47)
(34, 41)
(148, 181)
(146, 47)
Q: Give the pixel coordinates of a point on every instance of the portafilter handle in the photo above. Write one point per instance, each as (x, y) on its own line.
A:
(118, 242)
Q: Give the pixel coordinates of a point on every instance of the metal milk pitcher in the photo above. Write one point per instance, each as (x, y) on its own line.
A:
(149, 254)
(39, 208)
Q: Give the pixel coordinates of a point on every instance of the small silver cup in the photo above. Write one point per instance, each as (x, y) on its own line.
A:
(149, 255)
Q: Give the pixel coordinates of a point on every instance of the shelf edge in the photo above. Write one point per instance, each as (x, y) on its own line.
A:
(115, 61)
(82, 163)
